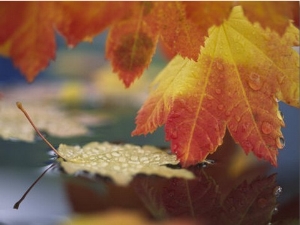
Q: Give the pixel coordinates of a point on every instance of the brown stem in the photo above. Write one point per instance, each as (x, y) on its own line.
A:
(19, 105)
(17, 204)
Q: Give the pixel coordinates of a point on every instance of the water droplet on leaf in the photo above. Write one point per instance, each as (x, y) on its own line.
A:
(277, 100)
(220, 66)
(277, 191)
(237, 118)
(218, 91)
(280, 143)
(279, 115)
(210, 97)
(275, 210)
(254, 81)
(221, 107)
(266, 128)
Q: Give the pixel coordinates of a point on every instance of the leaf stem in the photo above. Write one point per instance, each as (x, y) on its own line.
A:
(19, 105)
(17, 204)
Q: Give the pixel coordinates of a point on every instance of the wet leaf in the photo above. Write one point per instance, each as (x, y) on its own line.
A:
(131, 43)
(119, 162)
(29, 43)
(275, 16)
(133, 35)
(48, 118)
(240, 73)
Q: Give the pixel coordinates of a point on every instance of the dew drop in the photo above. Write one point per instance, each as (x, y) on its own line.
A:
(237, 118)
(254, 82)
(277, 191)
(262, 202)
(221, 107)
(220, 66)
(275, 211)
(210, 97)
(281, 114)
(245, 126)
(277, 100)
(280, 143)
(134, 158)
(218, 91)
(266, 128)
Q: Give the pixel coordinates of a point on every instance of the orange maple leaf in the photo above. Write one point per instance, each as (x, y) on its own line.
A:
(275, 15)
(78, 21)
(239, 75)
(30, 44)
(131, 42)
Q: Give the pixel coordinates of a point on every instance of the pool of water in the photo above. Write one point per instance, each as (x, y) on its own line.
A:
(233, 189)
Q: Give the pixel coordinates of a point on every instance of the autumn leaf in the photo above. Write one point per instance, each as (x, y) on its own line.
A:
(131, 43)
(30, 44)
(243, 67)
(240, 73)
(275, 16)
(119, 162)
(83, 20)
(49, 118)
(248, 203)
(134, 32)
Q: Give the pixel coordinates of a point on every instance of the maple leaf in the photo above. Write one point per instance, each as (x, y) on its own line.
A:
(249, 203)
(83, 20)
(30, 44)
(120, 162)
(275, 16)
(239, 74)
(131, 43)
(48, 118)
(133, 35)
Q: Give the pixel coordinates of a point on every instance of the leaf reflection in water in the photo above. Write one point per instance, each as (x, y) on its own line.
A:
(200, 199)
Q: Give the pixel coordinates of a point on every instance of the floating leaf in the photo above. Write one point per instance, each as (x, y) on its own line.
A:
(119, 162)
(48, 118)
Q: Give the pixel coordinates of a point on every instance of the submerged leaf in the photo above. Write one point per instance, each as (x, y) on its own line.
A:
(119, 162)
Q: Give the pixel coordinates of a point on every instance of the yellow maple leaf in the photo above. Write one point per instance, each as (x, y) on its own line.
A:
(241, 72)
